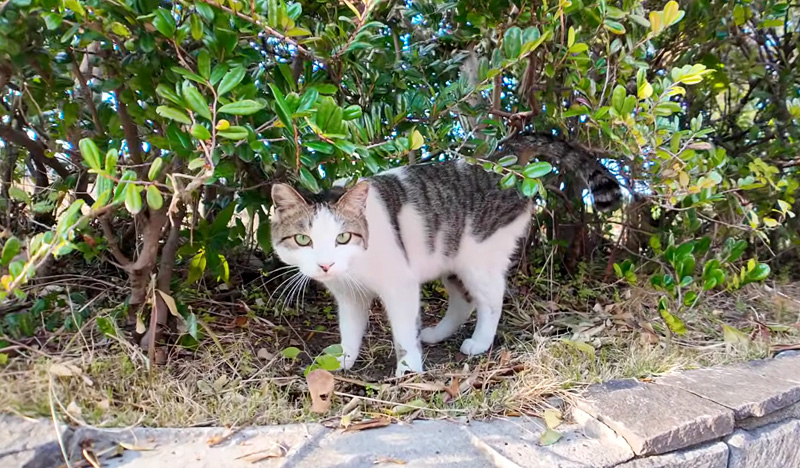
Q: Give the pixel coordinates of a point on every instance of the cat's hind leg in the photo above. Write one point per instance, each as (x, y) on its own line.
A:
(459, 308)
(487, 287)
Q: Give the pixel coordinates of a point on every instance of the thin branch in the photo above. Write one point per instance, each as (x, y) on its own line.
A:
(87, 96)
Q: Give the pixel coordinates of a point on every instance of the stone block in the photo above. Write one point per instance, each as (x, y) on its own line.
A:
(422, 444)
(752, 389)
(516, 441)
(790, 412)
(28, 443)
(656, 419)
(714, 455)
(157, 448)
(773, 446)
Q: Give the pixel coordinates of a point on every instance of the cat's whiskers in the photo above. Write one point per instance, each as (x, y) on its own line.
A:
(291, 280)
(296, 285)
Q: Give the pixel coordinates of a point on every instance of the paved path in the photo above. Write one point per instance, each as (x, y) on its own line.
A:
(740, 416)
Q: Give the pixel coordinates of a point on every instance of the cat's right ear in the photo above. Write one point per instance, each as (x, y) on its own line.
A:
(286, 199)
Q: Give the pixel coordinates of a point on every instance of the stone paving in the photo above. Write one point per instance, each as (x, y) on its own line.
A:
(740, 416)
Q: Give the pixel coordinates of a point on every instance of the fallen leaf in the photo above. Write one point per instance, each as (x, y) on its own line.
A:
(351, 405)
(505, 356)
(276, 451)
(424, 386)
(140, 328)
(220, 383)
(90, 457)
(409, 407)
(452, 391)
(60, 370)
(135, 448)
(388, 461)
(320, 386)
(552, 418)
(74, 410)
(346, 421)
(104, 404)
(241, 321)
(549, 437)
(220, 438)
(368, 424)
(89, 240)
(734, 337)
(265, 355)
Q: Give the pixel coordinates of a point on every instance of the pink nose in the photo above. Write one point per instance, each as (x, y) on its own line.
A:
(327, 267)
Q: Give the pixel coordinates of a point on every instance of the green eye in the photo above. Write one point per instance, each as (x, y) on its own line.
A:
(343, 238)
(302, 240)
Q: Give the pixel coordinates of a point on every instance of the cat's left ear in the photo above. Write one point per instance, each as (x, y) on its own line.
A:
(286, 199)
(354, 201)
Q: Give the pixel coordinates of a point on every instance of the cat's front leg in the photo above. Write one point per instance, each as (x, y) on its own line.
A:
(402, 307)
(353, 318)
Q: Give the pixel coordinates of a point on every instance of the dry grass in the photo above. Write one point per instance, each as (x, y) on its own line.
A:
(551, 348)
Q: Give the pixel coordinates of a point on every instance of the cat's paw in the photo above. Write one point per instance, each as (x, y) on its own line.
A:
(407, 365)
(471, 347)
(347, 360)
(430, 335)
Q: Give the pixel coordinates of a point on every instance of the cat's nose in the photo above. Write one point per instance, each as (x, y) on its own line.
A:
(326, 267)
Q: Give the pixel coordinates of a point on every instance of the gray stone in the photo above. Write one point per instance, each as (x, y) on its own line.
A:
(752, 389)
(714, 455)
(419, 444)
(517, 441)
(656, 419)
(773, 446)
(790, 412)
(156, 448)
(31, 444)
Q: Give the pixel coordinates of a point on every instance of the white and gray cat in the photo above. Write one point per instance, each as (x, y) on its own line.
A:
(392, 232)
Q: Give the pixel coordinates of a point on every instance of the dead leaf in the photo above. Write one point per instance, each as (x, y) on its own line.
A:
(140, 328)
(549, 437)
(135, 448)
(320, 386)
(452, 391)
(90, 457)
(552, 418)
(60, 370)
(104, 404)
(220, 383)
(220, 438)
(276, 451)
(734, 337)
(265, 355)
(89, 240)
(240, 321)
(424, 386)
(346, 421)
(388, 461)
(74, 410)
(369, 424)
(505, 357)
(170, 302)
(351, 405)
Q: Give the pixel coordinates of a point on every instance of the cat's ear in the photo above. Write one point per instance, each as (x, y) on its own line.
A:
(286, 199)
(354, 201)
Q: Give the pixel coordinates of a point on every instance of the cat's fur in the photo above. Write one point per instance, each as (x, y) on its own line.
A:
(408, 226)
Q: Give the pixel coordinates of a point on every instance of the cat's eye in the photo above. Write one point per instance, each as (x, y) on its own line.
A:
(343, 238)
(302, 240)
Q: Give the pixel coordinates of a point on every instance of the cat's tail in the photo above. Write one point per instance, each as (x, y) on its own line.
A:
(576, 164)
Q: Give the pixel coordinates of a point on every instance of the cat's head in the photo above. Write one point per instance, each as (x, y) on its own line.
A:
(320, 234)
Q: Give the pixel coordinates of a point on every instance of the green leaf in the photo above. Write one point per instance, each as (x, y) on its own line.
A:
(164, 22)
(352, 112)
(230, 80)
(530, 187)
(200, 132)
(234, 133)
(197, 266)
(11, 249)
(674, 323)
(284, 114)
(733, 336)
(244, 107)
(537, 169)
(549, 437)
(308, 180)
(291, 352)
(196, 101)
(618, 98)
(18, 194)
(154, 198)
(614, 26)
(91, 154)
(320, 146)
(196, 25)
(416, 140)
(204, 63)
(173, 114)
(512, 42)
(120, 29)
(507, 161)
(759, 273)
(52, 20)
(133, 199)
(155, 169)
(106, 326)
(508, 181)
(308, 100)
(169, 94)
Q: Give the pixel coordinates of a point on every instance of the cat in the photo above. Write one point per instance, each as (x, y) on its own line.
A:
(392, 232)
